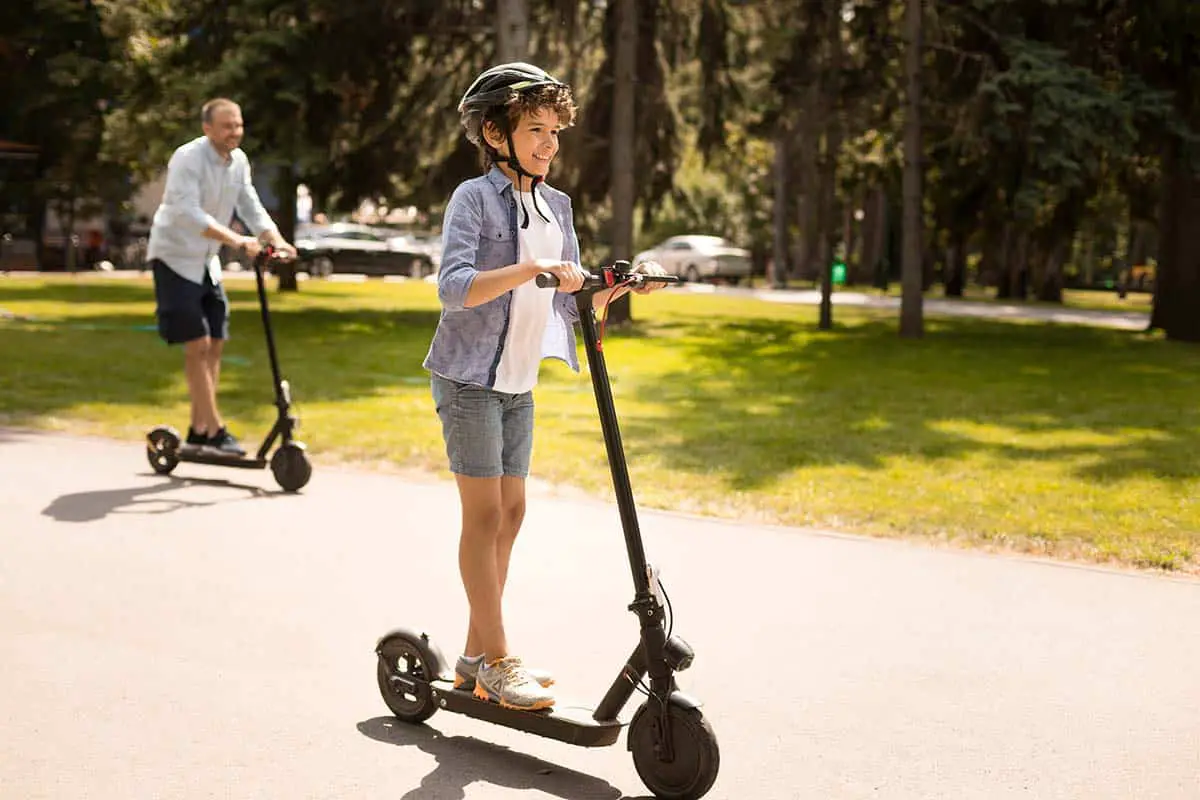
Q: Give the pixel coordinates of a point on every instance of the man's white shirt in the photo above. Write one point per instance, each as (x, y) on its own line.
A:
(203, 188)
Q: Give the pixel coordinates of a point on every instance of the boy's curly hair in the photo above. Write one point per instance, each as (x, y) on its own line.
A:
(556, 97)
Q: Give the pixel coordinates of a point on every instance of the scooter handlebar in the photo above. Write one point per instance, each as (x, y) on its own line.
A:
(609, 277)
(270, 253)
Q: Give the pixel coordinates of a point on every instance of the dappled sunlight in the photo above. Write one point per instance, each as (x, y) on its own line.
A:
(1038, 432)
(1051, 438)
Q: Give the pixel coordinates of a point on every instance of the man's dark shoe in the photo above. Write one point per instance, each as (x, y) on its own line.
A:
(195, 440)
(224, 443)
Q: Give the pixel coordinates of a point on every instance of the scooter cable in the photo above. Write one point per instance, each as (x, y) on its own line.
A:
(604, 317)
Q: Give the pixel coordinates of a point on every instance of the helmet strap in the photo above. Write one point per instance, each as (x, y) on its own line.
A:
(515, 164)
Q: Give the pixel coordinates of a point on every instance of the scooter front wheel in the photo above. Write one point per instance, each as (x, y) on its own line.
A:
(162, 449)
(690, 767)
(291, 467)
(405, 668)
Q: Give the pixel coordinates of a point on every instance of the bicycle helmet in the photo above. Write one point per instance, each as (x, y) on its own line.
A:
(495, 88)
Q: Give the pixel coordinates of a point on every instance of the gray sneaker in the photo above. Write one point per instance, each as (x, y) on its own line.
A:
(465, 670)
(507, 682)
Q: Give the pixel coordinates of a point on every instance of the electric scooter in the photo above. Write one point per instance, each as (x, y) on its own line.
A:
(673, 746)
(289, 464)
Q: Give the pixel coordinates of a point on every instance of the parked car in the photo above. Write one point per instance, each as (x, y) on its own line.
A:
(348, 248)
(699, 258)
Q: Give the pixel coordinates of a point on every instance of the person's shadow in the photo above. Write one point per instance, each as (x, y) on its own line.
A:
(463, 760)
(90, 506)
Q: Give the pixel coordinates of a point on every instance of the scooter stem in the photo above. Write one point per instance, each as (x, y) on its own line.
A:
(612, 443)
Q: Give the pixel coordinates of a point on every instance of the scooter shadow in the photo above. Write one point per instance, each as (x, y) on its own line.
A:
(463, 760)
(91, 506)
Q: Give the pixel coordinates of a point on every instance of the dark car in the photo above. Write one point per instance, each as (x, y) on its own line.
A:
(360, 249)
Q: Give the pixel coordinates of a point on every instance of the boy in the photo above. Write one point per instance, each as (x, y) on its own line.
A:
(496, 326)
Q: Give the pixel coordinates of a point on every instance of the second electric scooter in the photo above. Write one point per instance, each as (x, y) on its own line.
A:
(289, 464)
(673, 746)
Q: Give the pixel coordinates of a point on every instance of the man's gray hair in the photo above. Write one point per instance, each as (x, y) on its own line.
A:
(210, 108)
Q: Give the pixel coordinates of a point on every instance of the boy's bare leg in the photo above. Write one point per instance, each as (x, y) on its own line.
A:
(477, 562)
(512, 514)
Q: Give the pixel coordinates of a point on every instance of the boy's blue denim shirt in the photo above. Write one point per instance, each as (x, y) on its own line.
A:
(479, 232)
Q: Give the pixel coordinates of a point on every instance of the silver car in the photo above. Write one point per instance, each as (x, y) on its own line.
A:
(698, 258)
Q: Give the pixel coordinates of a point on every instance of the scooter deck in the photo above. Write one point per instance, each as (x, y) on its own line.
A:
(565, 723)
(198, 457)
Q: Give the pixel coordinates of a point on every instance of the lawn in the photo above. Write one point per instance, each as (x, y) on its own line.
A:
(1066, 441)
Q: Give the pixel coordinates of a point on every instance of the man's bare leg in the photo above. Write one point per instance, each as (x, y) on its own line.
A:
(215, 348)
(201, 387)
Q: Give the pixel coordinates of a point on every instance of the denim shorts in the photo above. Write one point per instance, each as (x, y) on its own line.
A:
(488, 434)
(187, 310)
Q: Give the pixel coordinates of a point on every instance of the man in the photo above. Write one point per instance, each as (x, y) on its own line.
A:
(207, 180)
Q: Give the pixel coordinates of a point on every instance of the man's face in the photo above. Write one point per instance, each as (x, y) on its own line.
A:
(225, 131)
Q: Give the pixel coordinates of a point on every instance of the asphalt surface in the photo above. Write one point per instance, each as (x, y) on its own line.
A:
(205, 636)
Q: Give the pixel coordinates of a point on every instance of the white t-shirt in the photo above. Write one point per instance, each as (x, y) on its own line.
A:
(530, 306)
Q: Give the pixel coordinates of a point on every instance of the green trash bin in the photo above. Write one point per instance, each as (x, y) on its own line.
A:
(839, 273)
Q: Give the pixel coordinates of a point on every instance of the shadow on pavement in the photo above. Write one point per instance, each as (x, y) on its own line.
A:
(463, 760)
(91, 506)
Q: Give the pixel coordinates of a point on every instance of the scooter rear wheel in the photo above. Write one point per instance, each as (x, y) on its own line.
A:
(696, 759)
(291, 467)
(162, 450)
(403, 674)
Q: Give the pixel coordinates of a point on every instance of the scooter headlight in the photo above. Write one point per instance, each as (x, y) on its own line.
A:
(679, 654)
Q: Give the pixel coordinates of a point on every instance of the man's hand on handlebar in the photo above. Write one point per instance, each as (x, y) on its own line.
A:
(250, 246)
(280, 250)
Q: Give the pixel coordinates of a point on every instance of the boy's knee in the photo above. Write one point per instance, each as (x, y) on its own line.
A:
(513, 513)
(483, 521)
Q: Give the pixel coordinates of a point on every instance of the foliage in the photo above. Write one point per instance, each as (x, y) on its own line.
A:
(1037, 115)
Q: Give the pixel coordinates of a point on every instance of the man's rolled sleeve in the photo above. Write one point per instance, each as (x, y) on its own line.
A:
(461, 226)
(181, 195)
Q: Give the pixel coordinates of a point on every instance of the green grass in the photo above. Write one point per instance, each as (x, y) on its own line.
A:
(1067, 441)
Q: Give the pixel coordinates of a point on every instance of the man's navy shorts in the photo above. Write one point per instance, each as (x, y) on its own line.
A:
(187, 310)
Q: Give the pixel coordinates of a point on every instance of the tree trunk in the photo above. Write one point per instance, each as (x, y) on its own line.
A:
(827, 214)
(808, 182)
(1050, 283)
(512, 31)
(1089, 256)
(874, 233)
(1017, 265)
(955, 277)
(911, 312)
(286, 221)
(621, 153)
(1177, 284)
(66, 221)
(991, 257)
(779, 253)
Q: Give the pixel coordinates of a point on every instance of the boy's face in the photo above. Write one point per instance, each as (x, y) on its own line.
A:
(535, 138)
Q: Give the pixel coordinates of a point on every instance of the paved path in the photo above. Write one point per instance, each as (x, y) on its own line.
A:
(204, 636)
(1123, 320)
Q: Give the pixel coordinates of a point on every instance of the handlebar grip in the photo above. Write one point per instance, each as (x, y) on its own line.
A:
(546, 280)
